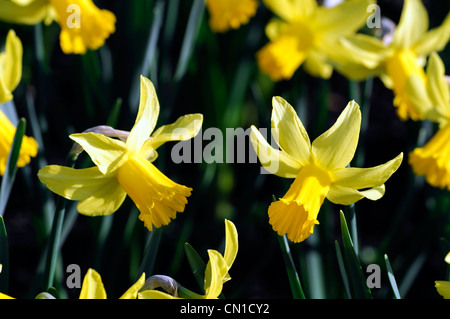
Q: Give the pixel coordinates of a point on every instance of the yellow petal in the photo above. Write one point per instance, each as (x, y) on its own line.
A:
(213, 275)
(157, 197)
(447, 258)
(289, 132)
(184, 128)
(344, 18)
(155, 294)
(147, 116)
(412, 25)
(12, 69)
(290, 10)
(132, 292)
(275, 27)
(92, 287)
(231, 243)
(443, 288)
(418, 96)
(434, 40)
(3, 296)
(437, 86)
(107, 153)
(336, 147)
(360, 178)
(83, 25)
(274, 161)
(346, 196)
(32, 13)
(317, 64)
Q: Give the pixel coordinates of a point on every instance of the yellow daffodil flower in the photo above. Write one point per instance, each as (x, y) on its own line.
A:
(433, 101)
(443, 287)
(216, 272)
(307, 34)
(93, 288)
(10, 66)
(230, 14)
(395, 61)
(83, 25)
(126, 167)
(319, 168)
(28, 149)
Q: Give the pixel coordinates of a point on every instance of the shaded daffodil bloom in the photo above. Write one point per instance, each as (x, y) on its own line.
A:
(433, 101)
(125, 167)
(10, 66)
(230, 14)
(305, 33)
(92, 287)
(394, 61)
(28, 149)
(83, 25)
(443, 287)
(319, 168)
(216, 272)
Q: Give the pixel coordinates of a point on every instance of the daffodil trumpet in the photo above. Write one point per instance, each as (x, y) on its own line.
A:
(319, 168)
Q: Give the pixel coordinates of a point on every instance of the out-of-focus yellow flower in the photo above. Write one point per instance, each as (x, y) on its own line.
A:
(125, 167)
(83, 25)
(307, 34)
(10, 66)
(28, 149)
(395, 61)
(433, 101)
(216, 272)
(443, 287)
(230, 14)
(320, 169)
(93, 288)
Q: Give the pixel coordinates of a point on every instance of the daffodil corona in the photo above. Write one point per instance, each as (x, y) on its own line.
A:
(126, 167)
(305, 33)
(230, 14)
(396, 60)
(83, 25)
(319, 168)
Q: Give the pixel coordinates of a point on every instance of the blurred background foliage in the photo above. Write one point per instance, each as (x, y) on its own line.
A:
(198, 71)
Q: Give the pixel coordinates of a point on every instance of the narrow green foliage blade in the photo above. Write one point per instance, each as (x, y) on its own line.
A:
(392, 278)
(4, 258)
(197, 265)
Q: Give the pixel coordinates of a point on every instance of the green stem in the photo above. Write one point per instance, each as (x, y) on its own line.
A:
(55, 235)
(294, 280)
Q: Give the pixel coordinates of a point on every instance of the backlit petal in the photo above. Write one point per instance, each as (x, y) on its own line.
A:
(29, 14)
(213, 275)
(289, 132)
(360, 178)
(274, 161)
(147, 116)
(107, 153)
(132, 292)
(290, 10)
(336, 147)
(443, 288)
(437, 86)
(12, 69)
(412, 25)
(92, 287)
(231, 243)
(342, 195)
(434, 40)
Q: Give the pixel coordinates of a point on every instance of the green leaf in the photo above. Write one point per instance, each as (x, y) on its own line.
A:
(294, 279)
(392, 278)
(355, 273)
(342, 270)
(197, 265)
(4, 258)
(11, 166)
(148, 261)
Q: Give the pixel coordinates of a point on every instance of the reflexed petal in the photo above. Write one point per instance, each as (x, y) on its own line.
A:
(317, 65)
(104, 201)
(132, 292)
(231, 243)
(107, 153)
(290, 10)
(12, 69)
(289, 132)
(32, 13)
(418, 95)
(213, 276)
(412, 25)
(359, 178)
(345, 18)
(443, 288)
(434, 40)
(346, 196)
(274, 161)
(437, 86)
(184, 128)
(336, 147)
(147, 116)
(71, 183)
(92, 286)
